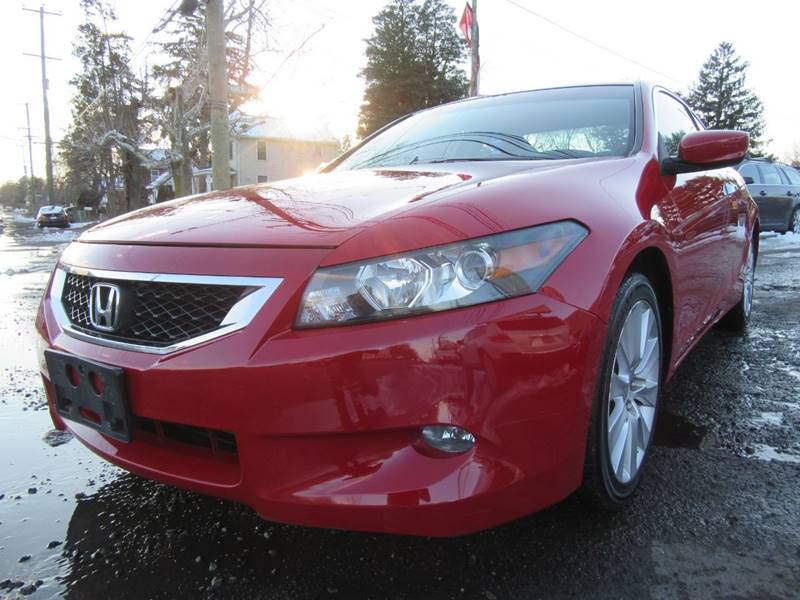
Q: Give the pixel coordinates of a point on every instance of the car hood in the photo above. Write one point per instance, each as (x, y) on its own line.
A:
(315, 211)
(321, 210)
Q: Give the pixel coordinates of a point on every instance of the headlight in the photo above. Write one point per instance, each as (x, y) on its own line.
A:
(475, 271)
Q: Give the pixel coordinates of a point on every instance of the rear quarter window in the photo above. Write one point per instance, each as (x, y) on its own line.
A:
(792, 175)
(750, 170)
(770, 175)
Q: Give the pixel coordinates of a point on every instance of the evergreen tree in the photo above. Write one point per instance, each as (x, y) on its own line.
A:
(102, 143)
(721, 98)
(413, 62)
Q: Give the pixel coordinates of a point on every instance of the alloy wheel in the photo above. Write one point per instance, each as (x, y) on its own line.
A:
(633, 391)
(749, 282)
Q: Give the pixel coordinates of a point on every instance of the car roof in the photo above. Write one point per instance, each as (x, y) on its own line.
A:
(542, 89)
(764, 161)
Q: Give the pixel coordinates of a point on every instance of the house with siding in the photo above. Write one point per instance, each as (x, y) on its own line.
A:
(262, 149)
(266, 149)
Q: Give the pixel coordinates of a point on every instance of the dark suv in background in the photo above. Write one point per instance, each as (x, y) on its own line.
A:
(776, 190)
(52, 216)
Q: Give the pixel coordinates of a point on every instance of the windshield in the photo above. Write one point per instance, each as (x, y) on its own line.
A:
(550, 124)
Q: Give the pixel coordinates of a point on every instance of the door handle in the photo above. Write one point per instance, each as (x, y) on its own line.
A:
(789, 193)
(762, 193)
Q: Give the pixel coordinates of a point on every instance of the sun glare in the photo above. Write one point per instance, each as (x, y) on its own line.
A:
(301, 108)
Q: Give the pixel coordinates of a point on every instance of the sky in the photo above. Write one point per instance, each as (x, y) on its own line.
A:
(319, 85)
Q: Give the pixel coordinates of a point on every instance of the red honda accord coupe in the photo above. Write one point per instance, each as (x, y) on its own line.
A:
(460, 321)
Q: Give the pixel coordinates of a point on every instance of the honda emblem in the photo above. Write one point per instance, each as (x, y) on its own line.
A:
(104, 306)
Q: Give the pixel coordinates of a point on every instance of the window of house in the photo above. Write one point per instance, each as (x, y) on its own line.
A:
(262, 150)
(263, 179)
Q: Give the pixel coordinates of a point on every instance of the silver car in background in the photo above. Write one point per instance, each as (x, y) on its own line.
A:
(776, 189)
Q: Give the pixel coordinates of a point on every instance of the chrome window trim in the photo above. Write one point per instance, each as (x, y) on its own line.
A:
(239, 316)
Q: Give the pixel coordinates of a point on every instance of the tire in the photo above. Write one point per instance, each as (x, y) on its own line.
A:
(736, 319)
(794, 224)
(611, 475)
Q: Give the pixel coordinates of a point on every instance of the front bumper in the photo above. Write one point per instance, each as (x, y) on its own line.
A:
(326, 421)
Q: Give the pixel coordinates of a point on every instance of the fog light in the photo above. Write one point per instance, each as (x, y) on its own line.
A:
(448, 438)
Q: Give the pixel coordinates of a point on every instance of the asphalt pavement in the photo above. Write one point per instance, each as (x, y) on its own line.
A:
(717, 516)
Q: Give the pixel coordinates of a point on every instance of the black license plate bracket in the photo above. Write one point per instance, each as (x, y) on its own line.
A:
(90, 393)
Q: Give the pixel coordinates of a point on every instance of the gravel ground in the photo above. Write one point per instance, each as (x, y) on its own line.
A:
(717, 515)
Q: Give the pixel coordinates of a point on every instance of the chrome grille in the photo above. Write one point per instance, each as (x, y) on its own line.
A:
(154, 313)
(76, 299)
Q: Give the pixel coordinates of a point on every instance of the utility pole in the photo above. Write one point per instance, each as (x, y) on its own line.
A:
(48, 142)
(218, 95)
(30, 156)
(476, 56)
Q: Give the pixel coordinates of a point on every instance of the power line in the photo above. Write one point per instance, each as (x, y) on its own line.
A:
(163, 21)
(592, 42)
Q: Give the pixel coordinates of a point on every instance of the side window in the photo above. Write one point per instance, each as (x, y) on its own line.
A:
(770, 175)
(792, 175)
(673, 123)
(750, 170)
(262, 150)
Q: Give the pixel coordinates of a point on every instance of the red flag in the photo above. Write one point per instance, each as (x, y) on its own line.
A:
(466, 24)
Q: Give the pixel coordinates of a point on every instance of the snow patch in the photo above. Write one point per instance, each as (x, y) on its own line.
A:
(768, 418)
(793, 372)
(768, 453)
(82, 224)
(59, 235)
(773, 241)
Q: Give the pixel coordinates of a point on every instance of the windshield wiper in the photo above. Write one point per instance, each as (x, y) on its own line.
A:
(485, 159)
(564, 153)
(487, 138)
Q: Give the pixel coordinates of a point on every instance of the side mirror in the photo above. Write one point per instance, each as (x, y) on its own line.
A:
(748, 180)
(706, 150)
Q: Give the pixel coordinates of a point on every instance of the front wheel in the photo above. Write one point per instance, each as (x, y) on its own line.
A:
(626, 399)
(794, 224)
